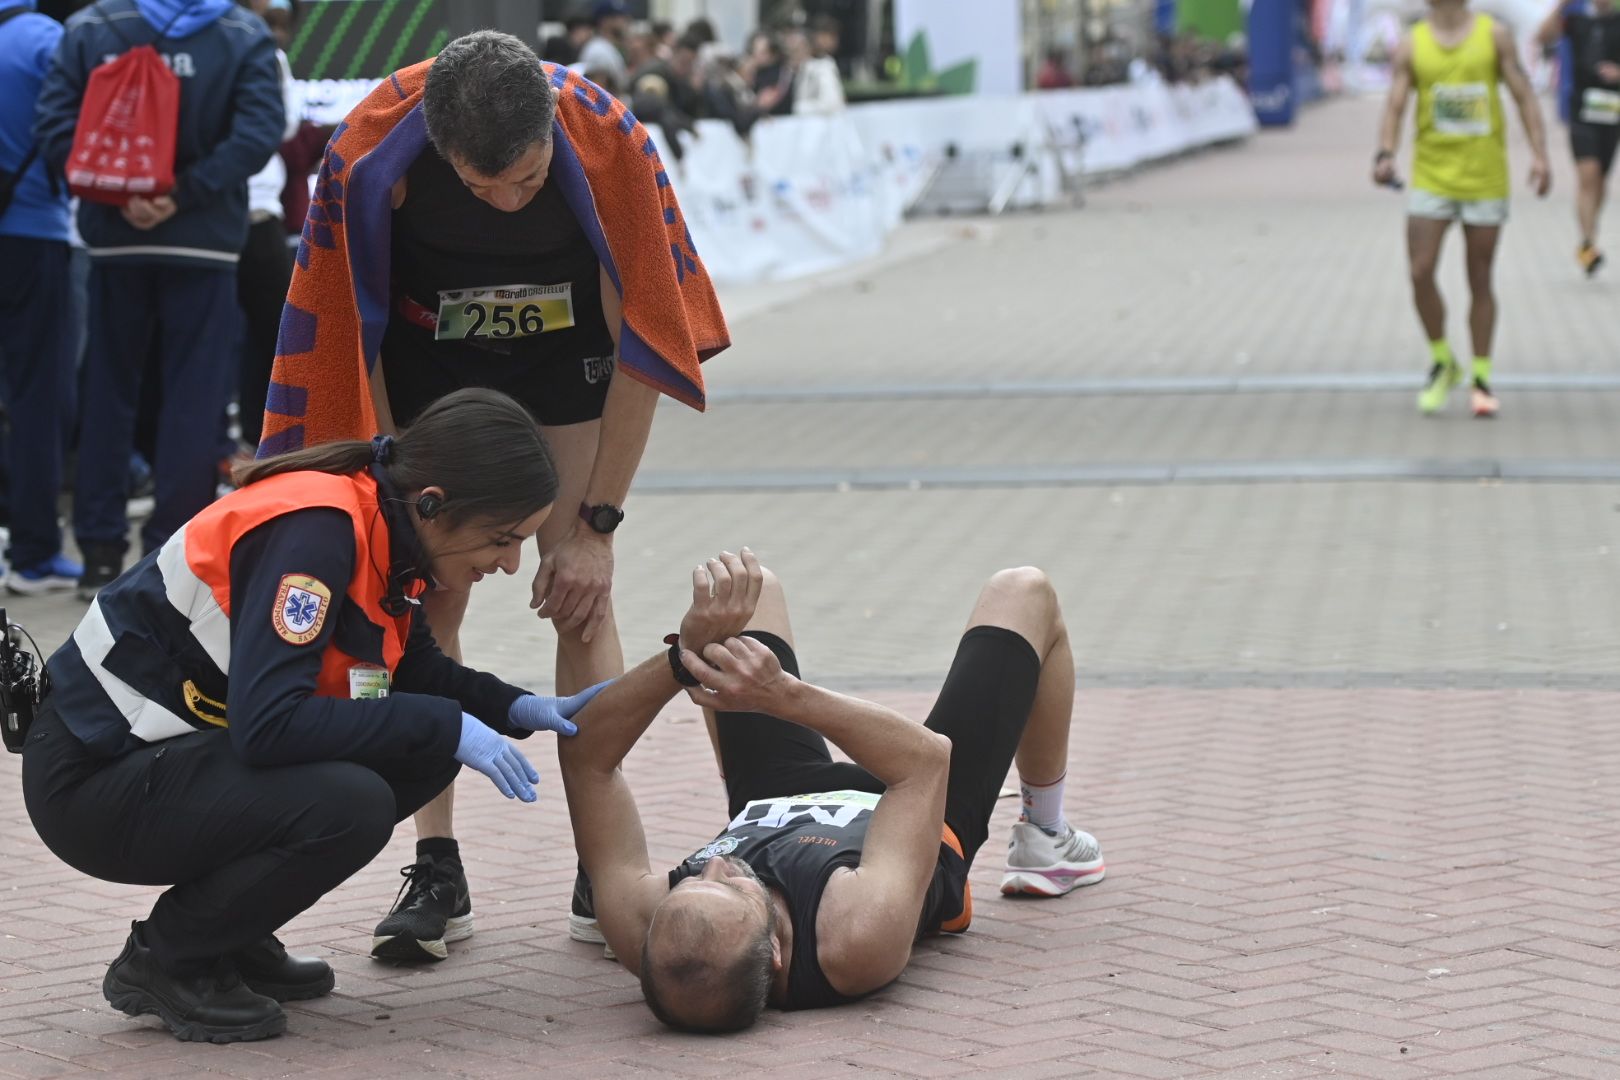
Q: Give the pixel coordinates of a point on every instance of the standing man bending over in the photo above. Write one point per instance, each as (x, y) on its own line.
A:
(1454, 59)
(828, 873)
(487, 220)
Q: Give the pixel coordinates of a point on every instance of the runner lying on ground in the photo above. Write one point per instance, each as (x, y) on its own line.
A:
(808, 900)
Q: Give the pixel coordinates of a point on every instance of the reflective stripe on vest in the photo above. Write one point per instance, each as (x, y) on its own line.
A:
(185, 594)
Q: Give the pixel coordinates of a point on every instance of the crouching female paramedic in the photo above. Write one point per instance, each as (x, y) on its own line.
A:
(247, 712)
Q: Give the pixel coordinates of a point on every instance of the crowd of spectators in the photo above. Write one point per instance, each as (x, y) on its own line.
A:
(672, 78)
(139, 325)
(1177, 58)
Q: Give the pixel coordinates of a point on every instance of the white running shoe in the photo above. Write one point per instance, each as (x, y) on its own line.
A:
(1040, 864)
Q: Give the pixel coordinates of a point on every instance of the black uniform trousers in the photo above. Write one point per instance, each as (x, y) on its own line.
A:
(244, 849)
(262, 278)
(37, 337)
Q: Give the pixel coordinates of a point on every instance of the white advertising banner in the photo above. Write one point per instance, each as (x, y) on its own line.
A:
(810, 193)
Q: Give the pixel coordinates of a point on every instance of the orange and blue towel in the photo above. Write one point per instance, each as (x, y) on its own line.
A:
(611, 177)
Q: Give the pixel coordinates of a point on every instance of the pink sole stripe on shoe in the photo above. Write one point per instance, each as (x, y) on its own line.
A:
(1036, 882)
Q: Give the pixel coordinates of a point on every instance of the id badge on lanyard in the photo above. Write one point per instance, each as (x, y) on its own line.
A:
(368, 682)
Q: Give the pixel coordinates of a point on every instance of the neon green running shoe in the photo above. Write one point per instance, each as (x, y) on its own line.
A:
(1443, 378)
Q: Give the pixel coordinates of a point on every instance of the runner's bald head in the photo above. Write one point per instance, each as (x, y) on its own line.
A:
(487, 101)
(707, 964)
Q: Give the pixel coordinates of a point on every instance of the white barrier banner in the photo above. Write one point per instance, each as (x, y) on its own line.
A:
(810, 193)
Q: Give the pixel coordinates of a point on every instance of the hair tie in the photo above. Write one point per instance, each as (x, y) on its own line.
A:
(382, 449)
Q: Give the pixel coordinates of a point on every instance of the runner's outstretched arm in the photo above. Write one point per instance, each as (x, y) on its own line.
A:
(608, 833)
(607, 827)
(868, 917)
(1518, 84)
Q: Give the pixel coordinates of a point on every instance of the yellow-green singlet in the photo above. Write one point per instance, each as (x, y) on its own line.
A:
(1461, 132)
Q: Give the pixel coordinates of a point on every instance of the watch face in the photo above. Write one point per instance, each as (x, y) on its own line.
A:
(604, 519)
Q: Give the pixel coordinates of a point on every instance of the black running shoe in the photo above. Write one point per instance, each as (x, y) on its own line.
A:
(215, 1007)
(582, 924)
(433, 909)
(582, 913)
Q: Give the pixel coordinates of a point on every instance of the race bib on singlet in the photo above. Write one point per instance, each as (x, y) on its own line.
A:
(1600, 106)
(836, 809)
(503, 312)
(1462, 109)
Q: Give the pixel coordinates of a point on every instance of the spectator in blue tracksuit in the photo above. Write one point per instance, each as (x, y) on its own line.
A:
(163, 270)
(36, 317)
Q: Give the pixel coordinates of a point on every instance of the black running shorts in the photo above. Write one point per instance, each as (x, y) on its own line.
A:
(982, 709)
(1594, 142)
(557, 390)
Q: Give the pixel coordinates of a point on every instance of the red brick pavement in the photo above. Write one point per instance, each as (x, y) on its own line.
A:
(1369, 883)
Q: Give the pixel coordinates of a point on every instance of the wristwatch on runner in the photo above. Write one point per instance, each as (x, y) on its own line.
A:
(676, 668)
(602, 518)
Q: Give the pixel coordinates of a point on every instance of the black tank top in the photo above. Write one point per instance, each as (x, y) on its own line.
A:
(794, 844)
(1593, 39)
(504, 280)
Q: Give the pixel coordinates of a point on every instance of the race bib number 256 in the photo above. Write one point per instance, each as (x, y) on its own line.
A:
(504, 311)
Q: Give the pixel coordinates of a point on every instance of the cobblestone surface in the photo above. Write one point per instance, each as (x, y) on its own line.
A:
(1347, 744)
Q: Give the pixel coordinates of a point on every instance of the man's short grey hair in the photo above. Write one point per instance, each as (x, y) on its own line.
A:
(487, 101)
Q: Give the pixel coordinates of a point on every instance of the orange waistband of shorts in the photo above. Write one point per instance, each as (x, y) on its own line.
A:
(962, 921)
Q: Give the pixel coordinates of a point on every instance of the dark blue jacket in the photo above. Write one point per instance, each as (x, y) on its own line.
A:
(27, 43)
(267, 690)
(231, 117)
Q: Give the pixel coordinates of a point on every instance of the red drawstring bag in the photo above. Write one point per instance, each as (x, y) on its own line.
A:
(125, 139)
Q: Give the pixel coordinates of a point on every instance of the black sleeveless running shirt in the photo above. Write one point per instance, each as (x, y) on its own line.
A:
(794, 844)
(446, 242)
(1593, 39)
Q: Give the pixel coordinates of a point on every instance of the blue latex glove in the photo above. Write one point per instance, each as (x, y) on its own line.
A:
(487, 750)
(538, 713)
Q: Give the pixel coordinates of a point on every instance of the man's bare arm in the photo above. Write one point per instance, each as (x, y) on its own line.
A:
(607, 827)
(1552, 27)
(379, 400)
(608, 834)
(868, 915)
(743, 675)
(1518, 84)
(1400, 91)
(575, 580)
(627, 415)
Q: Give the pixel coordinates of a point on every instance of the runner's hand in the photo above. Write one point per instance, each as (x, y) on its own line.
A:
(574, 587)
(737, 675)
(1384, 171)
(485, 749)
(1540, 177)
(725, 591)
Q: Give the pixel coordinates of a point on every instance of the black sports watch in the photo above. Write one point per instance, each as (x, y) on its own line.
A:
(676, 668)
(602, 518)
